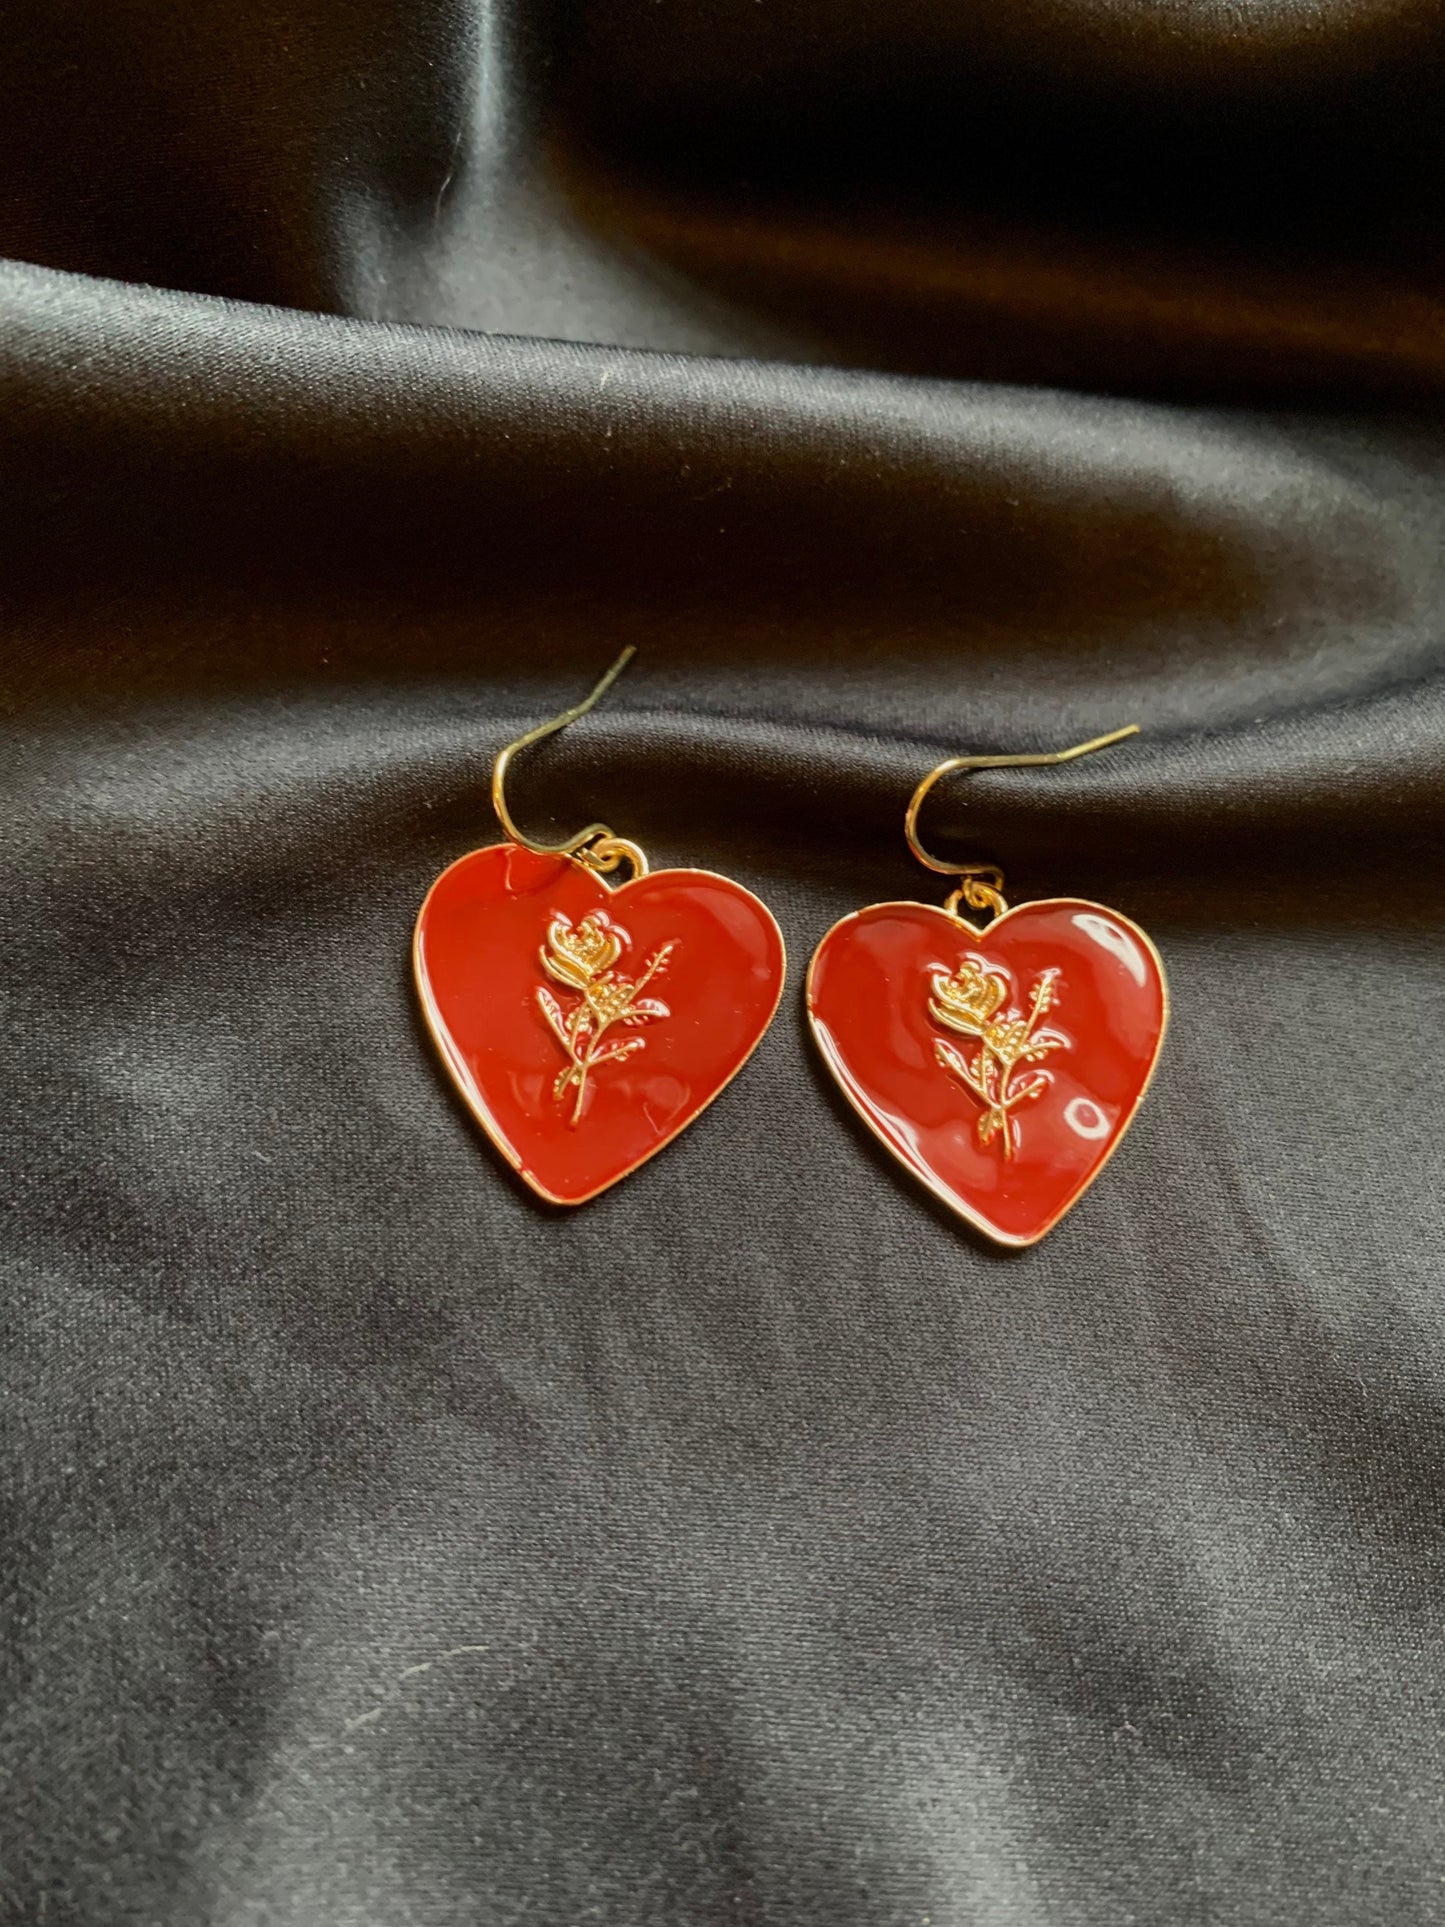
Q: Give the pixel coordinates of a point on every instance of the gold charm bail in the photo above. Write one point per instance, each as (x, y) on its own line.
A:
(596, 846)
(979, 893)
(981, 887)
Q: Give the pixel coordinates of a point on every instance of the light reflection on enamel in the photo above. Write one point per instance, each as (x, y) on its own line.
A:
(1085, 1118)
(1117, 942)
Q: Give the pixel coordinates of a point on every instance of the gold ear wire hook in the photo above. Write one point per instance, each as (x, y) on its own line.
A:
(607, 850)
(978, 891)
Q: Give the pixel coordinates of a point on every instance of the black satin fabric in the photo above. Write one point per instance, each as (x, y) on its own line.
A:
(754, 1545)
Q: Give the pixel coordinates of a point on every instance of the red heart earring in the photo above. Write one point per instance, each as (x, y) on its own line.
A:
(585, 1026)
(1001, 1064)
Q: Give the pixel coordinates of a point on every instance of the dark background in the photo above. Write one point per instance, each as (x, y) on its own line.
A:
(382, 1549)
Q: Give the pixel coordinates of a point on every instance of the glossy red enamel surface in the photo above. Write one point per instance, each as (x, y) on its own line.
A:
(479, 964)
(869, 996)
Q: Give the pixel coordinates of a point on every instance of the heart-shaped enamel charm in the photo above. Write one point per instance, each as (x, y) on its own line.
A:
(1002, 1066)
(586, 1026)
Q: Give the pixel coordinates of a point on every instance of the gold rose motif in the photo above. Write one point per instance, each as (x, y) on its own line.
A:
(582, 956)
(968, 1002)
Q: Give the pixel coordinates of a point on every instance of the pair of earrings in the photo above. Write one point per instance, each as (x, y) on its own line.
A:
(585, 1025)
